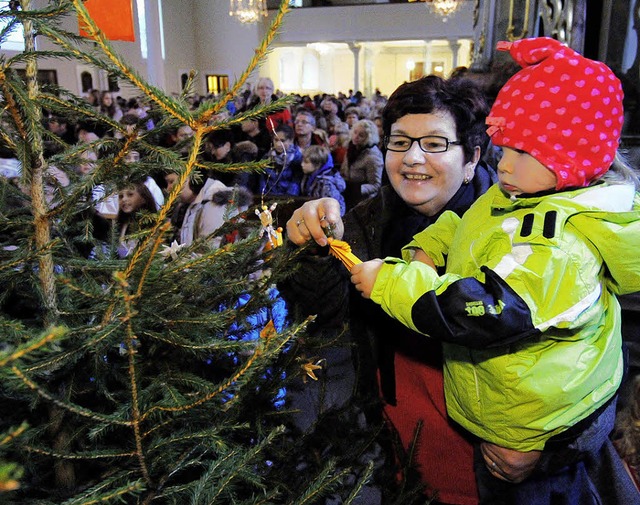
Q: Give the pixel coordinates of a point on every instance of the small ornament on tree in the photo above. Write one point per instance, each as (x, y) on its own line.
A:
(309, 367)
(266, 220)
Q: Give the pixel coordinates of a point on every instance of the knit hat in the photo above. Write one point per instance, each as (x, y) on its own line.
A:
(563, 109)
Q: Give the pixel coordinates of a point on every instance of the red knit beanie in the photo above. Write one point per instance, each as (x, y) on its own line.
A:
(563, 109)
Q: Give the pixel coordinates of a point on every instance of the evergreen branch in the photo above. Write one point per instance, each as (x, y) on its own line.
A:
(254, 166)
(39, 207)
(153, 93)
(161, 225)
(135, 406)
(74, 287)
(79, 455)
(70, 407)
(209, 396)
(321, 484)
(182, 463)
(259, 55)
(14, 433)
(154, 250)
(259, 111)
(215, 345)
(54, 334)
(239, 463)
(88, 497)
(368, 472)
(48, 13)
(12, 107)
(63, 357)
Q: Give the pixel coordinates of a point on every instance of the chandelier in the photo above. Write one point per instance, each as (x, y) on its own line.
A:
(248, 11)
(444, 8)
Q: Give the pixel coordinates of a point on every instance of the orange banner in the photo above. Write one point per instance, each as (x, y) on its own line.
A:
(113, 17)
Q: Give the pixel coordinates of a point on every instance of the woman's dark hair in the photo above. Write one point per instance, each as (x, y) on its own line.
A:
(461, 97)
(149, 202)
(218, 138)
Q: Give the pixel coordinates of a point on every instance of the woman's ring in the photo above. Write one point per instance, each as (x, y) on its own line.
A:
(299, 222)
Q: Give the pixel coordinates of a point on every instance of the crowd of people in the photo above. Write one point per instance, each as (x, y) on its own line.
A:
(321, 146)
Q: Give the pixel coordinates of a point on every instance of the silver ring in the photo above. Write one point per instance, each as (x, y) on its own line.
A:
(299, 222)
(494, 465)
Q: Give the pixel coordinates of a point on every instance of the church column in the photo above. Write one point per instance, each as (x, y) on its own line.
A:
(155, 62)
(454, 45)
(355, 49)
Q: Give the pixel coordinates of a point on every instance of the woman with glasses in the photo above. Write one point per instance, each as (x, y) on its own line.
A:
(264, 94)
(434, 140)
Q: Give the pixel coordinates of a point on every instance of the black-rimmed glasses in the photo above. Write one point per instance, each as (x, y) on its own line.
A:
(429, 144)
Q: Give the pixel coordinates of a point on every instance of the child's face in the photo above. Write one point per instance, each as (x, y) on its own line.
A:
(307, 166)
(281, 142)
(219, 152)
(171, 180)
(352, 119)
(130, 200)
(187, 195)
(520, 173)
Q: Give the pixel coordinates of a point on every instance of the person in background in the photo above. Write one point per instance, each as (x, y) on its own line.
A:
(251, 130)
(209, 205)
(305, 125)
(246, 152)
(285, 173)
(320, 178)
(133, 199)
(382, 358)
(264, 95)
(352, 116)
(109, 107)
(363, 164)
(522, 289)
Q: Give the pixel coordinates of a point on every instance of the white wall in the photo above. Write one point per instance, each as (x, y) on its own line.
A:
(200, 35)
(179, 44)
(372, 22)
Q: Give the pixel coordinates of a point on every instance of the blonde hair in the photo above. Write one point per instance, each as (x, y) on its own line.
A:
(370, 128)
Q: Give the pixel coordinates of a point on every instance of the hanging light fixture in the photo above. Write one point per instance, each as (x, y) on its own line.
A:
(248, 11)
(444, 8)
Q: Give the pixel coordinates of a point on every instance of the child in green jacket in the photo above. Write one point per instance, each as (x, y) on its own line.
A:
(522, 289)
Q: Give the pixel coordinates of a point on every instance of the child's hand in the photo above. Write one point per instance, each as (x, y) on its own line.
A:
(421, 256)
(363, 276)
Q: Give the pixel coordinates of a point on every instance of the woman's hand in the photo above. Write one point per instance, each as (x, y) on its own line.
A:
(310, 221)
(507, 464)
(364, 275)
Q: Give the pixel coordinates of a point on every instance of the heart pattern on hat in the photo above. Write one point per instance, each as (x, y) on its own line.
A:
(557, 104)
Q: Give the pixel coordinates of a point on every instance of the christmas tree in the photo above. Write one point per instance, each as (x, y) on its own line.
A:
(161, 376)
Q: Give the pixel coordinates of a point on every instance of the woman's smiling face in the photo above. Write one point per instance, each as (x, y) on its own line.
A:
(427, 181)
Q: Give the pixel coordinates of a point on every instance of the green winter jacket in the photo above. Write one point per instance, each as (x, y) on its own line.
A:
(526, 307)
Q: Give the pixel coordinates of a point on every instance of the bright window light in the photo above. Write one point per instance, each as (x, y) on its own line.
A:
(15, 40)
(142, 26)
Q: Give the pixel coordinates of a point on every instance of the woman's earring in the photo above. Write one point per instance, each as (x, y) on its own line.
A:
(467, 179)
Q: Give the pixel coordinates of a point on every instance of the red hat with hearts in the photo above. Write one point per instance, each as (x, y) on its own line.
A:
(563, 109)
